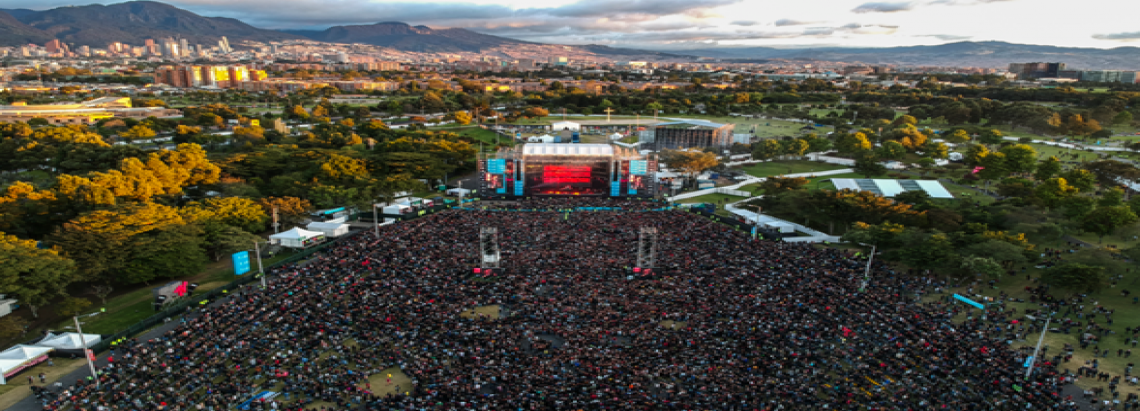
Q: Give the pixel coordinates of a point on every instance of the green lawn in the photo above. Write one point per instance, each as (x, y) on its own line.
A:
(482, 135)
(785, 167)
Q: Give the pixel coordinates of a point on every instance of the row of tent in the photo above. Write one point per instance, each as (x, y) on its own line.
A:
(24, 356)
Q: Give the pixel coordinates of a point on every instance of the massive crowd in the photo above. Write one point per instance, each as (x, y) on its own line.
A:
(727, 323)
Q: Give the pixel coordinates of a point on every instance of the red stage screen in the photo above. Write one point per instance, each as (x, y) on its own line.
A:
(565, 174)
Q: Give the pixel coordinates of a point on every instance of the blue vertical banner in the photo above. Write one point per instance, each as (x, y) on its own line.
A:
(241, 262)
(615, 188)
(638, 167)
(520, 177)
(498, 167)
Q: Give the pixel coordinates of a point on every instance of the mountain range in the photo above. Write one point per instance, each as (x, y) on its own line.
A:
(994, 54)
(133, 22)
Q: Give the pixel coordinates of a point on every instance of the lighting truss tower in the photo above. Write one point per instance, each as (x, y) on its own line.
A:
(647, 247)
(489, 251)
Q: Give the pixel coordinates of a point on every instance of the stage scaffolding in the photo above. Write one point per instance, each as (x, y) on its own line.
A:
(647, 248)
(689, 134)
(489, 252)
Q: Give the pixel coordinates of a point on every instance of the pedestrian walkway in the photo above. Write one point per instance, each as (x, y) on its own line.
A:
(755, 180)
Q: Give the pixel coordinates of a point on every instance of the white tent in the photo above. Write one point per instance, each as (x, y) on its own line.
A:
(616, 136)
(562, 125)
(69, 341)
(298, 238)
(16, 359)
(397, 209)
(459, 192)
(330, 229)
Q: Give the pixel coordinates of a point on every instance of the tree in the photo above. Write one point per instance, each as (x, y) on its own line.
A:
(463, 117)
(173, 251)
(981, 266)
(1019, 158)
(1076, 277)
(1047, 168)
(690, 162)
(891, 150)
(363, 113)
(238, 212)
(139, 132)
(1106, 220)
(795, 148)
(290, 210)
(853, 143)
(1054, 190)
(991, 137)
(72, 306)
(320, 111)
(12, 326)
(959, 136)
(766, 150)
(1112, 172)
(774, 185)
(936, 150)
(1082, 179)
(1112, 197)
(104, 242)
(222, 240)
(974, 154)
(536, 112)
(33, 275)
(299, 113)
(1006, 253)
(883, 235)
(924, 251)
(1122, 118)
(917, 198)
(869, 166)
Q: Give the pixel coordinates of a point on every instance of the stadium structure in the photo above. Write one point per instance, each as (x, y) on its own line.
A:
(687, 134)
(593, 170)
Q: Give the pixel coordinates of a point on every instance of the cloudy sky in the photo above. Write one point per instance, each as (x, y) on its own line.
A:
(686, 24)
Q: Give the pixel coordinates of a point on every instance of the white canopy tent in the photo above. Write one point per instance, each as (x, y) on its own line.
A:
(16, 359)
(616, 136)
(69, 341)
(459, 192)
(328, 228)
(397, 209)
(298, 238)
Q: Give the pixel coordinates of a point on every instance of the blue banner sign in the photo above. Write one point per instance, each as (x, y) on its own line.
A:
(241, 262)
(615, 188)
(969, 301)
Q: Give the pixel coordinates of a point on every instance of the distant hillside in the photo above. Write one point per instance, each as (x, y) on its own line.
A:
(13, 32)
(973, 54)
(404, 37)
(132, 22)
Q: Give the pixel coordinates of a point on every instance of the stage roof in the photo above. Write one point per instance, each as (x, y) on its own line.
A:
(690, 122)
(891, 188)
(568, 150)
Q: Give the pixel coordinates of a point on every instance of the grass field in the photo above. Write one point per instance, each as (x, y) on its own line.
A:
(785, 167)
(486, 311)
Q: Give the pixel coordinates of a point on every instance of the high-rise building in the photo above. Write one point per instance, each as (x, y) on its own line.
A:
(184, 47)
(84, 51)
(54, 46)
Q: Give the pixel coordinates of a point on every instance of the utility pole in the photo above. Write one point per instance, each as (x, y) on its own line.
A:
(1033, 359)
(86, 352)
(867, 272)
(376, 220)
(275, 224)
(260, 268)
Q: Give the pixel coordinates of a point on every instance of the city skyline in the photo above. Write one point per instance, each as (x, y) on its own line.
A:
(675, 24)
